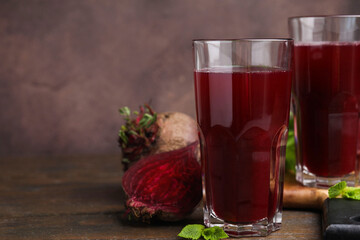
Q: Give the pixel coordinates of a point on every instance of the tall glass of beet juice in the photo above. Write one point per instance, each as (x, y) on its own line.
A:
(242, 90)
(326, 98)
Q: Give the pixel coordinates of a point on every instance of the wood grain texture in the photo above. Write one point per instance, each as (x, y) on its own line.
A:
(37, 186)
(296, 225)
(80, 197)
(301, 197)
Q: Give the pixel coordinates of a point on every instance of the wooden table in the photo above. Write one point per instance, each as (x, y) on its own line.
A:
(80, 197)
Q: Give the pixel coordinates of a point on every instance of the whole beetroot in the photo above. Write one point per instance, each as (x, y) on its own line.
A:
(162, 176)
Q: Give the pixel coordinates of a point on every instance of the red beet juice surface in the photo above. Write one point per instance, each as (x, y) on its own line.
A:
(327, 86)
(242, 114)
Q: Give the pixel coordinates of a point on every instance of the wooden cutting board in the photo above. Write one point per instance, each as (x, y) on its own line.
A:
(298, 196)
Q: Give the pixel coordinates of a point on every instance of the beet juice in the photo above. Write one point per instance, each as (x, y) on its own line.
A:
(243, 117)
(327, 93)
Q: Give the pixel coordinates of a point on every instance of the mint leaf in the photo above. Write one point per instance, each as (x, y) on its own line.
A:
(351, 193)
(345, 192)
(214, 233)
(191, 231)
(208, 233)
(337, 189)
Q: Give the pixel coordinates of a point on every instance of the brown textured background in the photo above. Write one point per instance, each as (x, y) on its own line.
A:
(67, 66)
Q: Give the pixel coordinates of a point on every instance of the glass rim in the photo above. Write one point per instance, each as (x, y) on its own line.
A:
(340, 16)
(243, 40)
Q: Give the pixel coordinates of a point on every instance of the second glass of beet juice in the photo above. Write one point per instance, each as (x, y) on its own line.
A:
(242, 90)
(326, 98)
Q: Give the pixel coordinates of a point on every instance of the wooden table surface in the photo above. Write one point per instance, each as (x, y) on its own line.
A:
(80, 197)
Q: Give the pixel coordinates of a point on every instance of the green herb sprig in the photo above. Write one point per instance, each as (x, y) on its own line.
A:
(290, 160)
(138, 135)
(341, 189)
(196, 231)
(136, 127)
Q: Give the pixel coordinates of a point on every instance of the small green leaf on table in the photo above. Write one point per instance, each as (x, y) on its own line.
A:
(195, 231)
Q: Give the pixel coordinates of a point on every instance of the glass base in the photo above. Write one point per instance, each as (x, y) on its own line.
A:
(259, 228)
(309, 179)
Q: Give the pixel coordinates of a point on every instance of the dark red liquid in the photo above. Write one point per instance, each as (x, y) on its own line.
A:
(242, 115)
(327, 90)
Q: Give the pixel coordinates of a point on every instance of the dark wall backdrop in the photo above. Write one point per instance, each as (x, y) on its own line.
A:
(67, 66)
